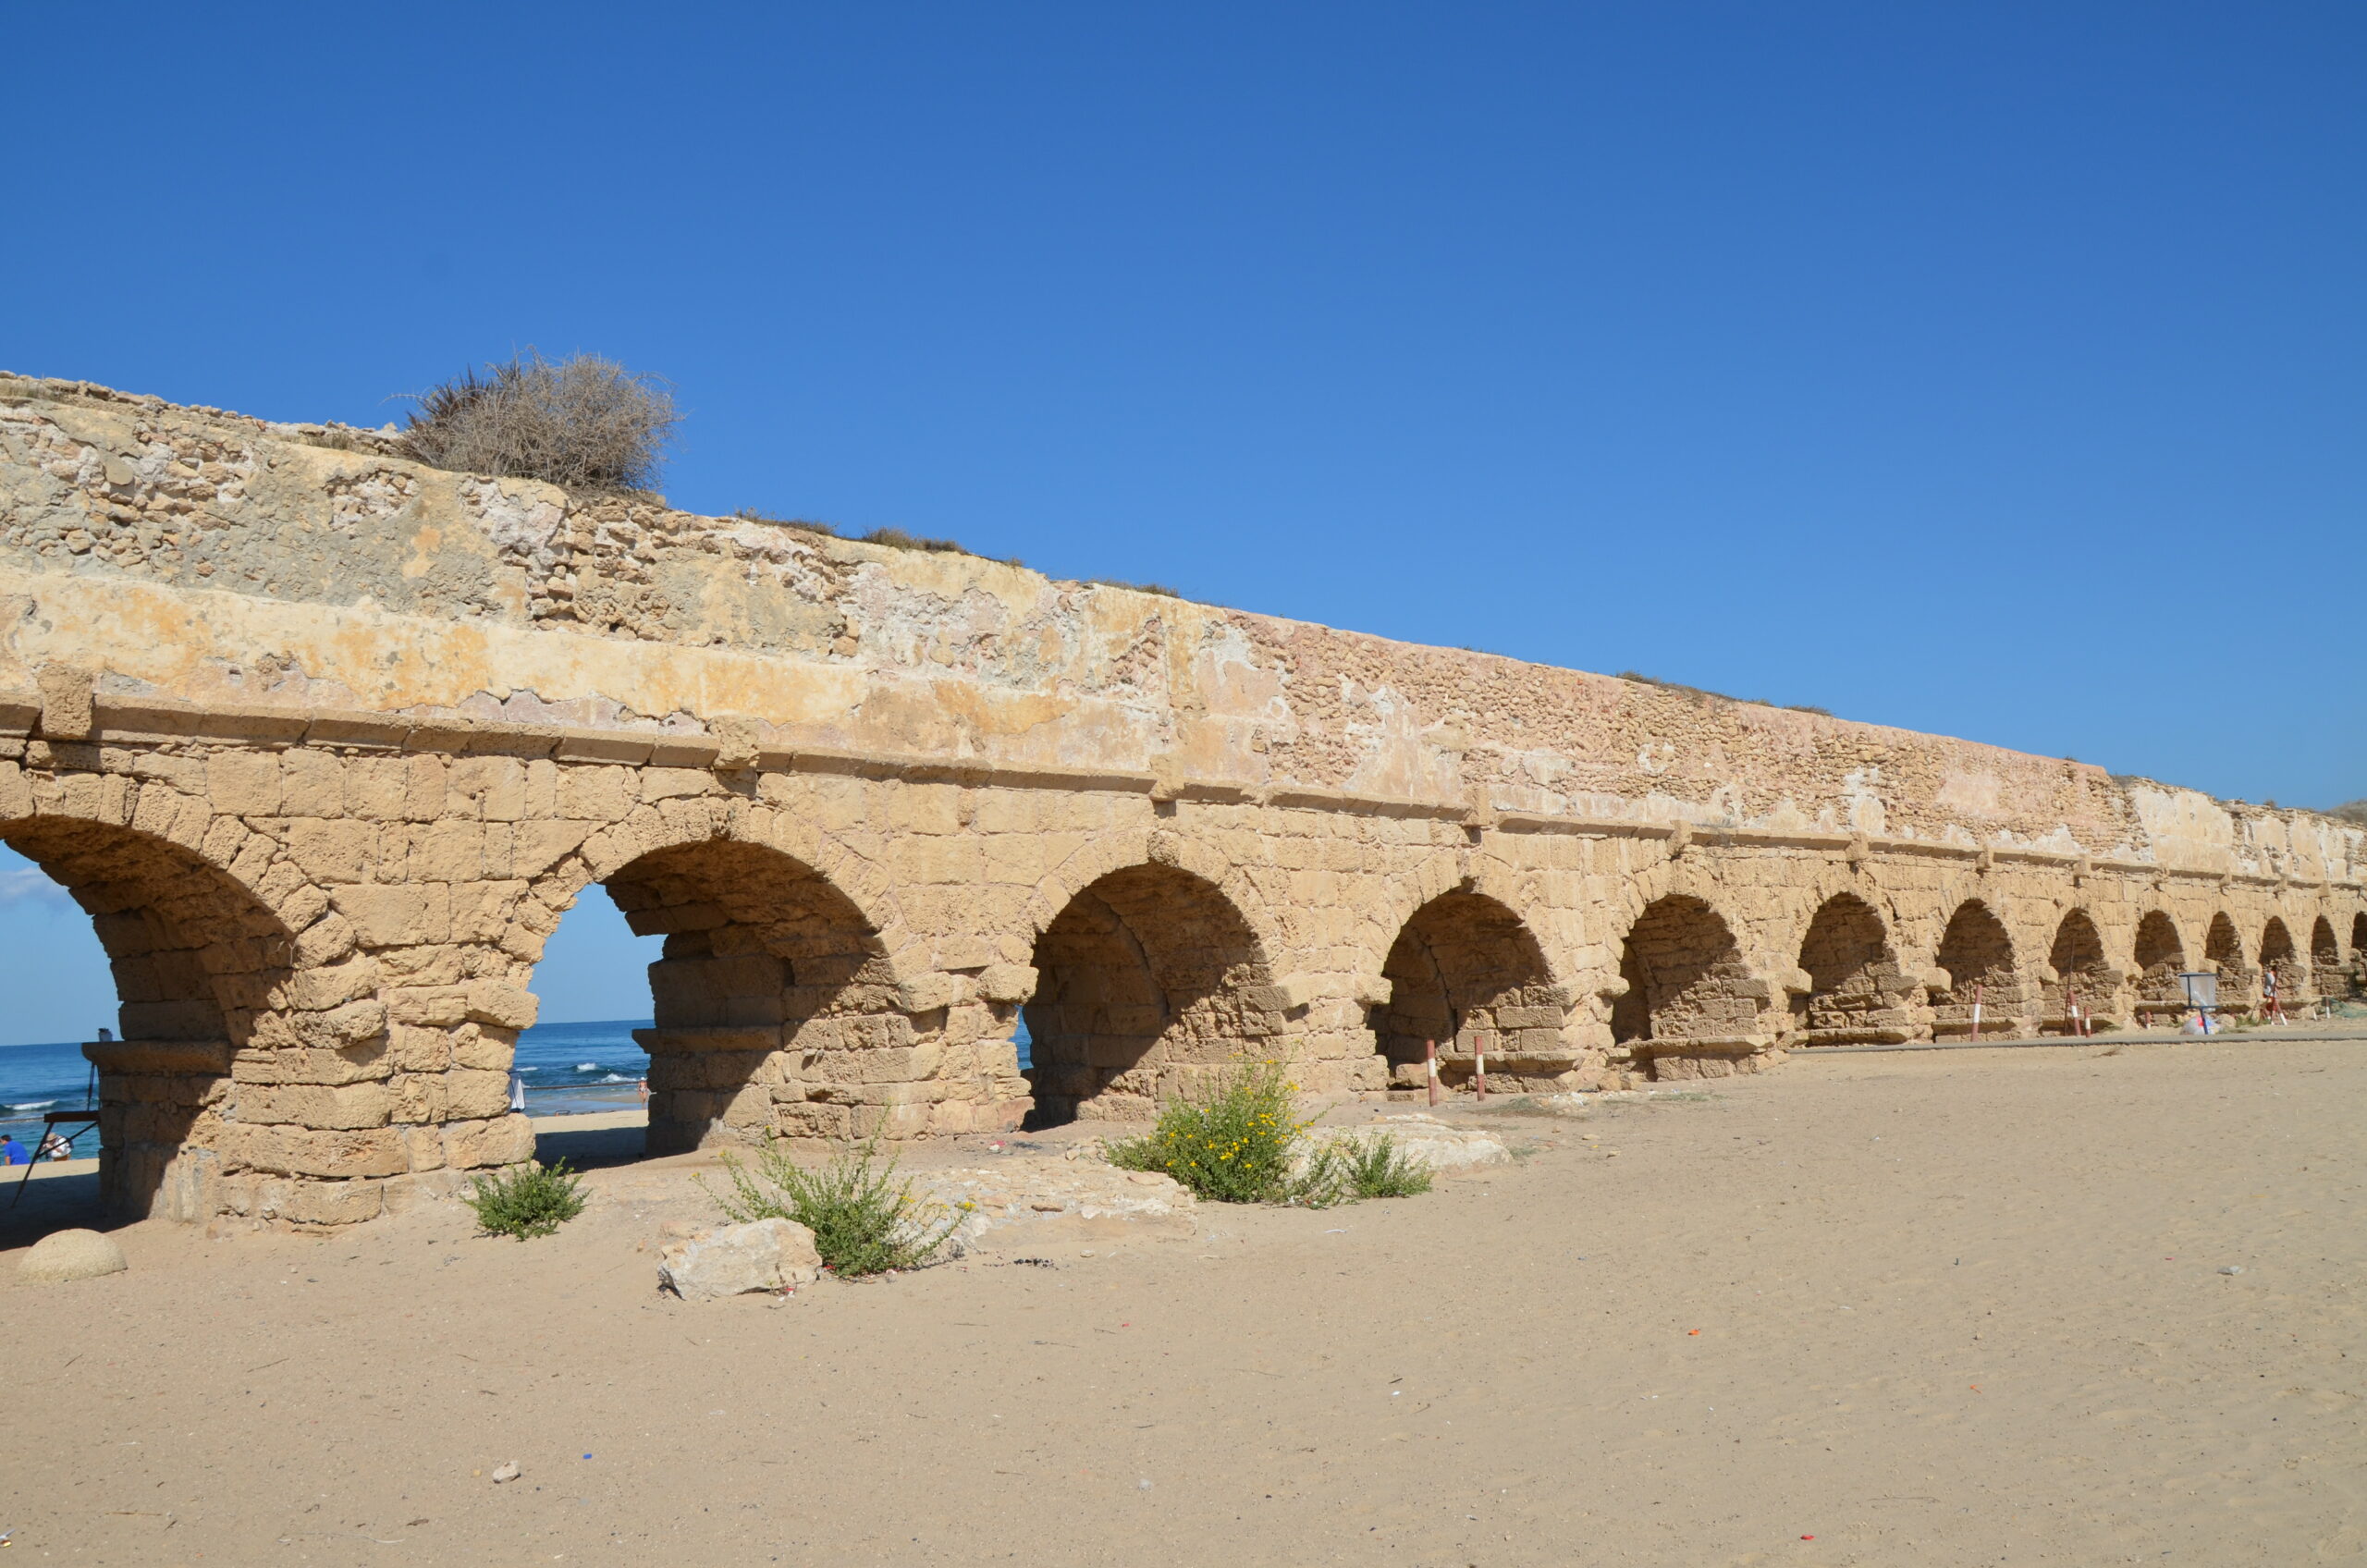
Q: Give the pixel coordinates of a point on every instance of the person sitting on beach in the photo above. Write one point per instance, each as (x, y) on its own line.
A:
(13, 1152)
(54, 1145)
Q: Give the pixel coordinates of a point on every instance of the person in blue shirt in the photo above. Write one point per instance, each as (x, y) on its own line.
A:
(13, 1152)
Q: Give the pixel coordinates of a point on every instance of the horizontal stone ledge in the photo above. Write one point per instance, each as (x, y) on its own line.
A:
(19, 710)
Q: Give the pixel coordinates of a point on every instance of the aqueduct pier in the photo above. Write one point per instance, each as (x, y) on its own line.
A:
(326, 742)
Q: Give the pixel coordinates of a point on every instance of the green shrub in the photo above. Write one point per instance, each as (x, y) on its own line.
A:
(526, 1200)
(1229, 1144)
(1352, 1170)
(864, 1220)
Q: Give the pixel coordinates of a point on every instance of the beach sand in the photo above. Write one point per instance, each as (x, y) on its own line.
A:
(1946, 1307)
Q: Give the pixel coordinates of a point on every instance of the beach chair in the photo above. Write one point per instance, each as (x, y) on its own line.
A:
(50, 1124)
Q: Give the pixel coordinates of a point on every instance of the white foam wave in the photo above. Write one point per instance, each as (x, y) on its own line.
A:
(587, 1067)
(616, 1078)
(33, 1104)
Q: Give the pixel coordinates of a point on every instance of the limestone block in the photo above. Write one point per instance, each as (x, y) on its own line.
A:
(596, 795)
(319, 1203)
(484, 1049)
(927, 993)
(471, 1094)
(339, 849)
(503, 1006)
(475, 1145)
(736, 1260)
(493, 787)
(298, 1151)
(672, 783)
(66, 1255)
(386, 916)
(326, 986)
(345, 1107)
(65, 700)
(353, 1023)
(243, 783)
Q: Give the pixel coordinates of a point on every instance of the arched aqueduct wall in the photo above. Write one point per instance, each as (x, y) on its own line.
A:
(327, 742)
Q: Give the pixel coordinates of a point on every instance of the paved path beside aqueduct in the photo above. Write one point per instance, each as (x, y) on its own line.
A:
(326, 742)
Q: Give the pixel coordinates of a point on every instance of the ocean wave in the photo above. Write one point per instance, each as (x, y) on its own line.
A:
(530, 1070)
(587, 1067)
(33, 1104)
(615, 1078)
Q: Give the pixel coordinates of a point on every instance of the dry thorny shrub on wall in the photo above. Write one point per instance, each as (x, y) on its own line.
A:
(584, 422)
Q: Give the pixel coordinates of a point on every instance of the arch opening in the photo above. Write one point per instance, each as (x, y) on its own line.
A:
(2160, 956)
(2223, 951)
(2083, 979)
(2279, 958)
(200, 966)
(1978, 955)
(2328, 976)
(1858, 992)
(773, 1008)
(1691, 1007)
(1148, 983)
(1465, 967)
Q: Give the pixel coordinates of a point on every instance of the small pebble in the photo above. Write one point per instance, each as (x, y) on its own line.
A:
(505, 1471)
(2231, 1268)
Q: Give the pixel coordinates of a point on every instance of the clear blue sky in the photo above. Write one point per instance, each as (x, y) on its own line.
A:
(1992, 369)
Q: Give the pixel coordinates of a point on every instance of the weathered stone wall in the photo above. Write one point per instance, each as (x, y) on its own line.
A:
(327, 742)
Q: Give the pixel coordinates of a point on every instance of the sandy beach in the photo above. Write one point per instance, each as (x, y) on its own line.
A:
(1933, 1308)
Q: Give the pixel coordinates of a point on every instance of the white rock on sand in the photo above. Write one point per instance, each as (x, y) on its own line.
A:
(1422, 1140)
(71, 1255)
(1024, 1202)
(733, 1260)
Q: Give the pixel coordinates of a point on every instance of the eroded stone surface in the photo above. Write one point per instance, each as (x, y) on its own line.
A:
(327, 742)
(1021, 1202)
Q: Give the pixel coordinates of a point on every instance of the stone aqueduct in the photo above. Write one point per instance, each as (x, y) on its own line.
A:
(326, 743)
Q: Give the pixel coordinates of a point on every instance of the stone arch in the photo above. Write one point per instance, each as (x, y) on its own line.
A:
(2223, 951)
(1112, 852)
(1464, 966)
(1857, 991)
(1691, 1007)
(2278, 957)
(684, 824)
(2326, 974)
(1149, 980)
(1977, 954)
(202, 969)
(773, 1004)
(2160, 956)
(2081, 975)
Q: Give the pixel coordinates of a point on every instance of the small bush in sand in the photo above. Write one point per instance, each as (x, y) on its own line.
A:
(864, 1220)
(1352, 1170)
(584, 422)
(1230, 1144)
(527, 1200)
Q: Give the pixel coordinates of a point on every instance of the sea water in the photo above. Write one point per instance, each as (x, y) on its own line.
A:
(568, 1068)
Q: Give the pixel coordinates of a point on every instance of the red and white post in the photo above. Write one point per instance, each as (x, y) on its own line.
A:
(1976, 1012)
(1479, 1063)
(1430, 1056)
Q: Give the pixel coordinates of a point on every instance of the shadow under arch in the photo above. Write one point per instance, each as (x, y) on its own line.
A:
(1858, 994)
(2160, 956)
(1978, 954)
(1692, 1007)
(2083, 980)
(198, 960)
(2223, 951)
(2279, 958)
(1465, 965)
(1148, 981)
(773, 1006)
(2327, 978)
